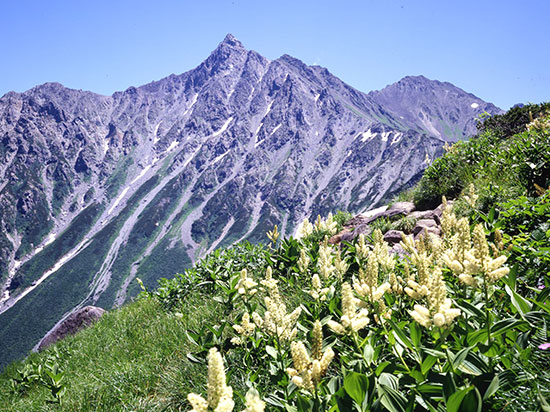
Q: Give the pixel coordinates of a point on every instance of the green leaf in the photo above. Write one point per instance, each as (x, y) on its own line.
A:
(392, 400)
(475, 337)
(381, 367)
(506, 324)
(449, 386)
(416, 334)
(356, 386)
(493, 388)
(427, 364)
(400, 335)
(472, 401)
(521, 304)
(368, 354)
(271, 351)
(303, 404)
(455, 400)
(343, 401)
(460, 357)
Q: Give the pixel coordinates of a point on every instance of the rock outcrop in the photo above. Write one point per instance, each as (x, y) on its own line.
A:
(76, 321)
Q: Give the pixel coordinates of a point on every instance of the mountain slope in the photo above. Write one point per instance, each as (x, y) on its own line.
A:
(96, 190)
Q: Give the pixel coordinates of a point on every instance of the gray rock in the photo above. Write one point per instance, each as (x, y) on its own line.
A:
(74, 322)
(422, 214)
(427, 214)
(400, 208)
(393, 236)
(426, 225)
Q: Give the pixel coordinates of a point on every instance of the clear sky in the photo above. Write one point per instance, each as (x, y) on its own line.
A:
(497, 50)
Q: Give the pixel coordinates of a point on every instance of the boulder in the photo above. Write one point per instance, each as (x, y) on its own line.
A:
(339, 237)
(426, 225)
(426, 214)
(73, 323)
(400, 208)
(393, 236)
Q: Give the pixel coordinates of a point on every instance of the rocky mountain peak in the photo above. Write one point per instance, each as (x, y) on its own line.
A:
(232, 41)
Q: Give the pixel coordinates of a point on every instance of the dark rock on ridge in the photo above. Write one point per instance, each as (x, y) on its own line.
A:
(76, 321)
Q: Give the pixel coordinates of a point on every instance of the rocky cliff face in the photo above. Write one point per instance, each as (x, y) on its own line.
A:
(96, 190)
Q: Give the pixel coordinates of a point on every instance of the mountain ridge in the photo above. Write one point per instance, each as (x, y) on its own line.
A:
(147, 180)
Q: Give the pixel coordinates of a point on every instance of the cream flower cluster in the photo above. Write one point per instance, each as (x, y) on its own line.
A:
(253, 402)
(328, 225)
(366, 285)
(448, 218)
(245, 329)
(471, 196)
(439, 311)
(468, 258)
(381, 252)
(340, 265)
(220, 396)
(273, 235)
(318, 292)
(361, 248)
(352, 320)
(540, 123)
(324, 262)
(246, 286)
(303, 261)
(308, 370)
(276, 321)
(304, 229)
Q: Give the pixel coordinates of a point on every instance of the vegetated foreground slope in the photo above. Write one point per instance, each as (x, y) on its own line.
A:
(477, 341)
(98, 189)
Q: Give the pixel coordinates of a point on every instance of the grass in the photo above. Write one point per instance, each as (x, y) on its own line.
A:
(133, 359)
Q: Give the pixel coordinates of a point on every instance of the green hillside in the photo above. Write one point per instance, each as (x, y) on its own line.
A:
(460, 323)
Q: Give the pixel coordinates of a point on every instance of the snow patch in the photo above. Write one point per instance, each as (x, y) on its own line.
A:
(385, 136)
(55, 268)
(155, 133)
(274, 130)
(172, 146)
(317, 97)
(105, 146)
(118, 199)
(223, 128)
(368, 135)
(193, 101)
(373, 212)
(191, 157)
(141, 174)
(268, 109)
(220, 157)
(258, 129)
(474, 105)
(50, 239)
(396, 138)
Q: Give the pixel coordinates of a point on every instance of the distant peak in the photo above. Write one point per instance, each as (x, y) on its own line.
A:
(232, 41)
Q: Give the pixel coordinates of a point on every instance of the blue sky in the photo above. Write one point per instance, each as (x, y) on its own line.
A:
(497, 50)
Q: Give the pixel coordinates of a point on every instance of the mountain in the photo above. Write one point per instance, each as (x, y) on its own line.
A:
(439, 108)
(96, 190)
